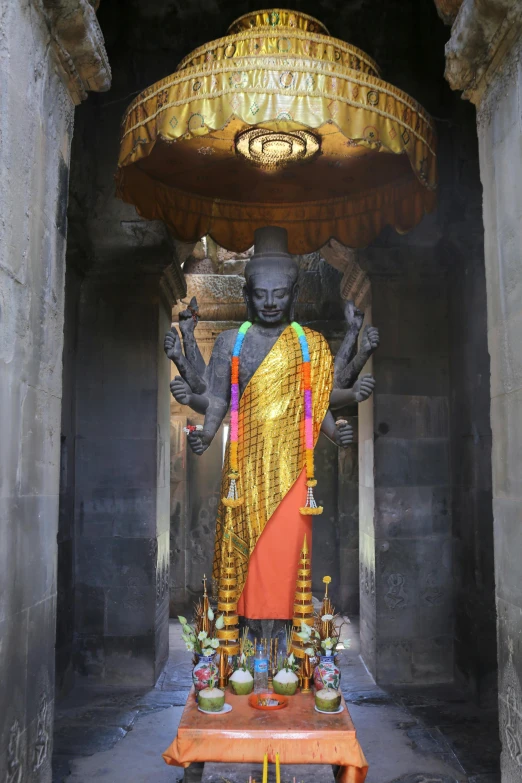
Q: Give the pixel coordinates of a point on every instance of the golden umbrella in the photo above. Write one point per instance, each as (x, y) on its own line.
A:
(280, 124)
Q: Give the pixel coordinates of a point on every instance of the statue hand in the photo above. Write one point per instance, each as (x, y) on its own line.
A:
(189, 317)
(363, 388)
(343, 434)
(370, 339)
(180, 390)
(353, 316)
(199, 441)
(172, 346)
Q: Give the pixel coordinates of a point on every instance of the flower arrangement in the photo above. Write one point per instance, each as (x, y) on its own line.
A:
(246, 651)
(198, 639)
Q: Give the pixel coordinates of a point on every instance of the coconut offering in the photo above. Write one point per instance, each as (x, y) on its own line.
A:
(285, 682)
(211, 699)
(328, 700)
(241, 682)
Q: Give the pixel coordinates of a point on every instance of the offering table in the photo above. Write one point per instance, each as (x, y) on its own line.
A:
(298, 733)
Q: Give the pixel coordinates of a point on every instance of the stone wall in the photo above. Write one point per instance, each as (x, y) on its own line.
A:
(35, 132)
(405, 523)
(462, 252)
(500, 131)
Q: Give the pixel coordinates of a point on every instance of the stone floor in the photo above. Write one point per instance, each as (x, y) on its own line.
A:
(421, 735)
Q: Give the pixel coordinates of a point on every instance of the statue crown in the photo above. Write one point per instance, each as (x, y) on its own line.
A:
(271, 248)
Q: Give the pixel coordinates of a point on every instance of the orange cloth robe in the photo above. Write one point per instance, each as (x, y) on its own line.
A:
(267, 529)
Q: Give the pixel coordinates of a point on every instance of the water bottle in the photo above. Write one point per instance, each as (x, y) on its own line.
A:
(261, 669)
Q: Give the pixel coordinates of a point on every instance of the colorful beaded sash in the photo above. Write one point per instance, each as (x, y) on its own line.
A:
(233, 499)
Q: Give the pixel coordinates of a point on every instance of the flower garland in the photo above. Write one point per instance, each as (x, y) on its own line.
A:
(233, 500)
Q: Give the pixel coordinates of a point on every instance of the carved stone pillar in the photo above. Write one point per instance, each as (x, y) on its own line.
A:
(36, 130)
(484, 56)
(122, 488)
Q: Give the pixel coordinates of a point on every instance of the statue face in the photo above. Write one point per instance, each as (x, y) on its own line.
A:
(270, 297)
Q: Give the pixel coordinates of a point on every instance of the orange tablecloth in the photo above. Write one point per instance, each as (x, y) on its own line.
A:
(298, 733)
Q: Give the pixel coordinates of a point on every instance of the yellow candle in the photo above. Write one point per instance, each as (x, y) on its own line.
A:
(278, 770)
(265, 768)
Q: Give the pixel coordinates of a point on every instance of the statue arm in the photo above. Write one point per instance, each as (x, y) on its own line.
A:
(217, 395)
(369, 344)
(188, 320)
(340, 433)
(181, 392)
(360, 391)
(172, 347)
(345, 354)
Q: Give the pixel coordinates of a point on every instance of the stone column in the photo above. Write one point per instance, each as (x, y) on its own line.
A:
(484, 57)
(36, 126)
(122, 494)
(405, 517)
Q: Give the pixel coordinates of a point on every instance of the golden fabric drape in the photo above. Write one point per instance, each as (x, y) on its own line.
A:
(271, 452)
(179, 158)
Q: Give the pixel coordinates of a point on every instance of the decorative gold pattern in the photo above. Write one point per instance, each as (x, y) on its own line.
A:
(277, 17)
(269, 464)
(229, 635)
(303, 606)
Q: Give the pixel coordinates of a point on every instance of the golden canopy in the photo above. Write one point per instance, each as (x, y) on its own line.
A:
(278, 123)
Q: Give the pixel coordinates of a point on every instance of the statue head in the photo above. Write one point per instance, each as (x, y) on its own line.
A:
(271, 279)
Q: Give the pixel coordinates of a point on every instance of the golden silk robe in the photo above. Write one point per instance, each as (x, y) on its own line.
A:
(267, 529)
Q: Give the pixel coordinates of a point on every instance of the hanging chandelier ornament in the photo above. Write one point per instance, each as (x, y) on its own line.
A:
(280, 124)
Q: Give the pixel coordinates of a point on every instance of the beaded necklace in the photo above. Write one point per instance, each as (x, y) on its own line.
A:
(233, 500)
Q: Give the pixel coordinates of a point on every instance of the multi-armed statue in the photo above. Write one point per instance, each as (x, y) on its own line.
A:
(281, 383)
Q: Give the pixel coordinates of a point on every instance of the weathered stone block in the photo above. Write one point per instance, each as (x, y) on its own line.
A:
(405, 512)
(130, 610)
(400, 462)
(508, 549)
(506, 424)
(407, 416)
(432, 659)
(104, 463)
(419, 375)
(394, 662)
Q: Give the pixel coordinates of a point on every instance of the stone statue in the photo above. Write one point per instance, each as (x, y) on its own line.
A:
(268, 520)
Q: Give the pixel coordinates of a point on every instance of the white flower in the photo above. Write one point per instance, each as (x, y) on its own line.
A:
(220, 622)
(202, 635)
(291, 659)
(207, 652)
(214, 643)
(210, 614)
(326, 617)
(310, 651)
(190, 646)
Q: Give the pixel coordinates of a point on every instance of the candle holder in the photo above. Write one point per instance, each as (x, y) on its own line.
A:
(223, 669)
(272, 660)
(306, 675)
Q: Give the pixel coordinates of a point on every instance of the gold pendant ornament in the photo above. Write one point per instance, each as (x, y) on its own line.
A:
(278, 123)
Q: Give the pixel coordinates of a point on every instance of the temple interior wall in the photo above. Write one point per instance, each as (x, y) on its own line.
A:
(429, 306)
(36, 126)
(499, 131)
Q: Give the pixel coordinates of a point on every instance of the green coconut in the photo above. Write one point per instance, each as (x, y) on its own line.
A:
(328, 700)
(211, 699)
(241, 682)
(285, 683)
